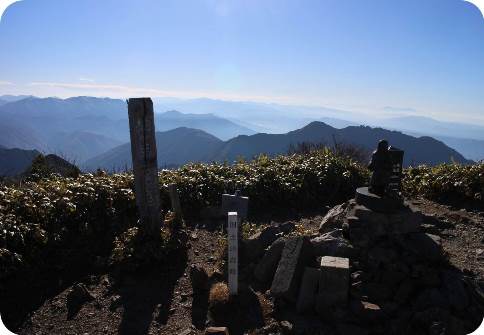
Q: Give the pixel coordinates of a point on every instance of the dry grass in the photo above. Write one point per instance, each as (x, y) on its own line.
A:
(219, 294)
(221, 254)
(265, 305)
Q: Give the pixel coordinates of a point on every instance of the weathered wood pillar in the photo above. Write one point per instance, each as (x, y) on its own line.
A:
(145, 163)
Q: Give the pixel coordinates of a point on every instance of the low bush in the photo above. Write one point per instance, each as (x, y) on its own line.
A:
(450, 183)
(296, 182)
(51, 222)
(54, 221)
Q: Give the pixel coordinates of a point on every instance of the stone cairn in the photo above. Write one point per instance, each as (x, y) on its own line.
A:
(369, 270)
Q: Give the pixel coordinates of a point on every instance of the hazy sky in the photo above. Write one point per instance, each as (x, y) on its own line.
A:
(384, 56)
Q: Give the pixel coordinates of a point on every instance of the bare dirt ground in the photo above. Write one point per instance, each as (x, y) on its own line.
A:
(462, 234)
(161, 301)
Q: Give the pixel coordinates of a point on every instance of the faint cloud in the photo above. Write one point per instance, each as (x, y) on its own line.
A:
(479, 4)
(85, 79)
(392, 109)
(114, 90)
(5, 83)
(4, 5)
(108, 88)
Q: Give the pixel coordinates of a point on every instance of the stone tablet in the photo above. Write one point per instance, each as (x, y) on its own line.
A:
(386, 167)
(235, 203)
(333, 282)
(295, 256)
(265, 269)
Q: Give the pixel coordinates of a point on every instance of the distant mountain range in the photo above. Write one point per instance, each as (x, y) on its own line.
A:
(21, 137)
(84, 129)
(260, 117)
(15, 161)
(18, 163)
(76, 128)
(219, 127)
(422, 150)
(431, 127)
(51, 115)
(276, 118)
(182, 145)
(174, 147)
(78, 146)
(81, 128)
(470, 148)
(12, 98)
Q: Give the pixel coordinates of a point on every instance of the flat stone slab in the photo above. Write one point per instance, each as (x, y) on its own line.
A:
(374, 224)
(366, 311)
(295, 255)
(308, 290)
(330, 245)
(375, 202)
(256, 244)
(217, 331)
(333, 282)
(266, 268)
(332, 220)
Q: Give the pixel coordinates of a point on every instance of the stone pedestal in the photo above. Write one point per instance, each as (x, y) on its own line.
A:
(308, 290)
(377, 203)
(373, 217)
(333, 282)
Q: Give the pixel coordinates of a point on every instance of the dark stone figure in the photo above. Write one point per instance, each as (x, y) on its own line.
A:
(381, 167)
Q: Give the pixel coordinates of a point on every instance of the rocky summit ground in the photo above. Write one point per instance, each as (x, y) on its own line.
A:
(162, 301)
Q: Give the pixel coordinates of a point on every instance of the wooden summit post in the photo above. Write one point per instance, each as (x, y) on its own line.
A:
(145, 163)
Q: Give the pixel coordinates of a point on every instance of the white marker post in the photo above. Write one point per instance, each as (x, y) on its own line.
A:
(233, 237)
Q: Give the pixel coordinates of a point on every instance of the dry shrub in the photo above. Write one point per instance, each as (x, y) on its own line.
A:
(219, 304)
(219, 294)
(221, 255)
(266, 306)
(133, 249)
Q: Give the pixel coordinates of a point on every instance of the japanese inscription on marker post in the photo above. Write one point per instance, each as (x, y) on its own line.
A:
(233, 239)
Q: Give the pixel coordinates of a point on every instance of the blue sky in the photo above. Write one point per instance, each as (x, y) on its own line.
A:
(371, 56)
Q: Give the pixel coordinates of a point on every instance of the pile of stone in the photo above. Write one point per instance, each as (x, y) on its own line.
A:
(370, 268)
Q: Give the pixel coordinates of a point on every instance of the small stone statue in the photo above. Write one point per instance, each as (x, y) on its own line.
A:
(381, 167)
